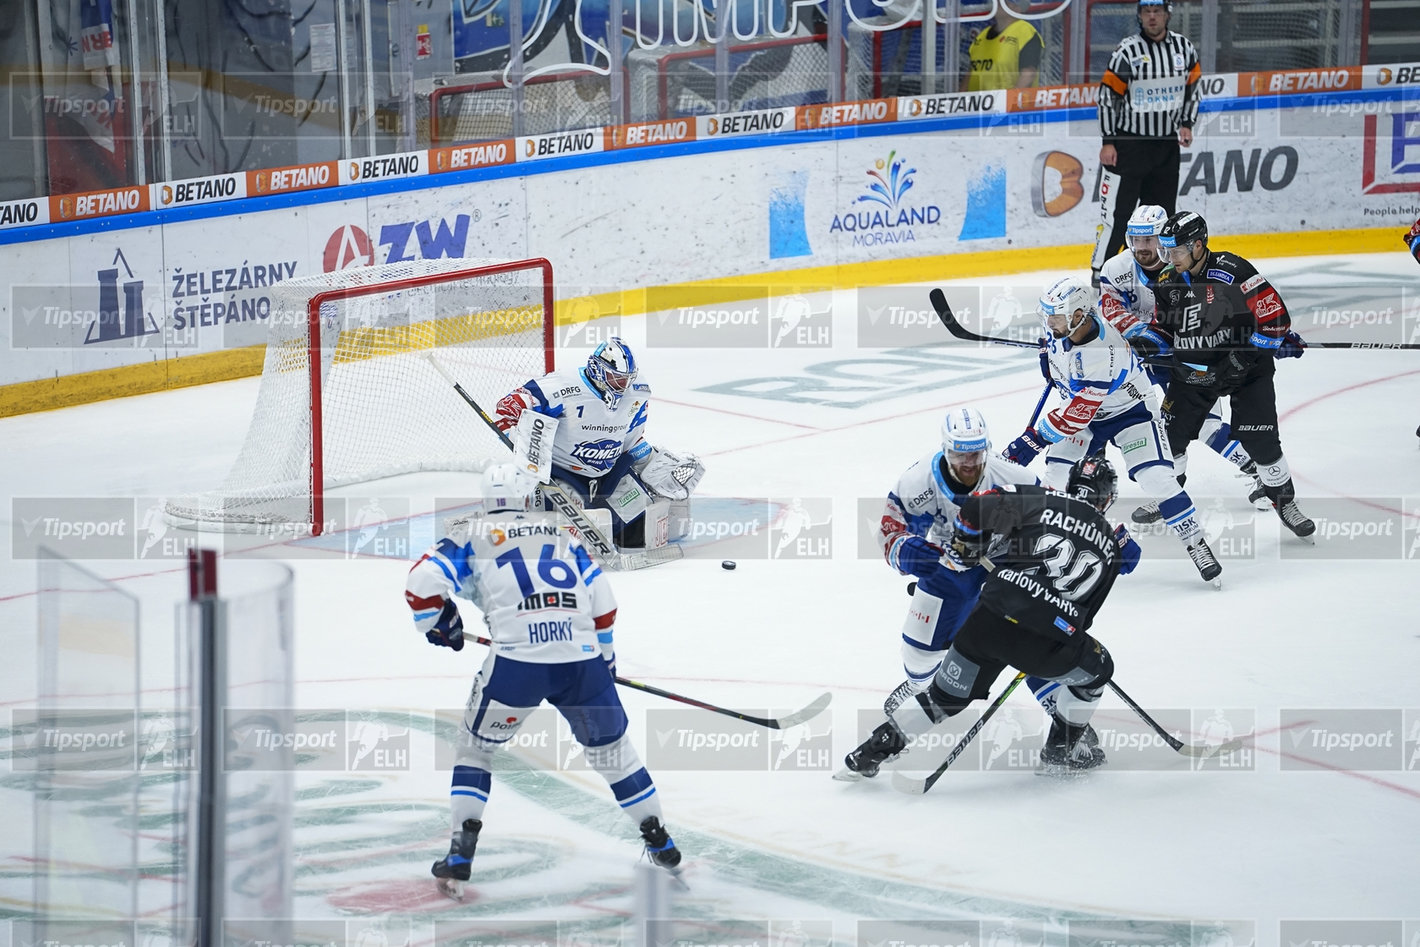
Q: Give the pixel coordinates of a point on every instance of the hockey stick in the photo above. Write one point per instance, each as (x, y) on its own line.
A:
(1187, 749)
(918, 785)
(949, 319)
(815, 707)
(601, 546)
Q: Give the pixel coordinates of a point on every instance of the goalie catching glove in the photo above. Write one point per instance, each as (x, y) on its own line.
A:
(669, 473)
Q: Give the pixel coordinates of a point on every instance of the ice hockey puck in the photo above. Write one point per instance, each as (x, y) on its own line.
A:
(728, 564)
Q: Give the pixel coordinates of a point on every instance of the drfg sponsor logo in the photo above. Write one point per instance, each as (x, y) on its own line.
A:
(1352, 739)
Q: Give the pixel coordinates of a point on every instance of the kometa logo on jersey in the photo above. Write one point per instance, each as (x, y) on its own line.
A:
(598, 454)
(888, 218)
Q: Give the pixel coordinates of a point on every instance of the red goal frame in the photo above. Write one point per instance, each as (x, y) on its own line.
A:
(313, 356)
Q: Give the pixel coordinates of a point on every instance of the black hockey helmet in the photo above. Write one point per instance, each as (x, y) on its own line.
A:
(1093, 480)
(1182, 229)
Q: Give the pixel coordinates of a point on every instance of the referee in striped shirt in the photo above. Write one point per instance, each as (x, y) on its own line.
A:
(1148, 103)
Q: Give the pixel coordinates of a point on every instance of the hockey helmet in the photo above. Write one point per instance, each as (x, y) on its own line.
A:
(611, 370)
(1141, 234)
(1180, 231)
(965, 444)
(507, 487)
(1093, 480)
(1063, 299)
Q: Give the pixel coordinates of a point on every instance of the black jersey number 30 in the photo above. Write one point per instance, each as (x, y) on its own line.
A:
(1073, 572)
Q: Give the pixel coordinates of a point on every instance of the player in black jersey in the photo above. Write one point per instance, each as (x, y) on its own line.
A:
(1055, 560)
(1227, 324)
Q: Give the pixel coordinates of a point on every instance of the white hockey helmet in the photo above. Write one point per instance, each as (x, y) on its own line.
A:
(965, 444)
(1141, 234)
(506, 487)
(1062, 300)
(611, 370)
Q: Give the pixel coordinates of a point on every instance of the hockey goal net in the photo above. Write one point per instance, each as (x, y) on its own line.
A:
(348, 393)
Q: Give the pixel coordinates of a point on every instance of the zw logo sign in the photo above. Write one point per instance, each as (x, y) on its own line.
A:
(350, 246)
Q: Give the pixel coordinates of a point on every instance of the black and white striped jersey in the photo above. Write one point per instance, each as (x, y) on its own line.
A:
(1149, 89)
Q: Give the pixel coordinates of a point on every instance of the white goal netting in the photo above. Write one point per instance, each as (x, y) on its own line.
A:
(357, 399)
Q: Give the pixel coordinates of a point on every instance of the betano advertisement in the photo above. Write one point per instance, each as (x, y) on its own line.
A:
(135, 296)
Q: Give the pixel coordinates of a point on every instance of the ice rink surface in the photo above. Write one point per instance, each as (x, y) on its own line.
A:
(1150, 849)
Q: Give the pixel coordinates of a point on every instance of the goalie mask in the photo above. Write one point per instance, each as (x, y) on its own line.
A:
(965, 444)
(1093, 480)
(611, 370)
(1066, 305)
(507, 487)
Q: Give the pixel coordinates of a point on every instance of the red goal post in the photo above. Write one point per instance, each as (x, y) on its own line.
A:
(347, 394)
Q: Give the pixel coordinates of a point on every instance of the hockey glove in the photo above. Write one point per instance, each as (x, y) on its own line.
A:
(1150, 345)
(1293, 346)
(1412, 240)
(444, 629)
(1024, 449)
(965, 550)
(1129, 551)
(1201, 378)
(914, 555)
(1044, 350)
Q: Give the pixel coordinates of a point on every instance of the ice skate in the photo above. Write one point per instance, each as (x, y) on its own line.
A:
(454, 868)
(1257, 496)
(1294, 519)
(660, 847)
(1070, 750)
(1207, 563)
(885, 745)
(1146, 514)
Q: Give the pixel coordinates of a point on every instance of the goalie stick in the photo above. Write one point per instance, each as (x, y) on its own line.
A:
(915, 785)
(610, 556)
(814, 708)
(949, 319)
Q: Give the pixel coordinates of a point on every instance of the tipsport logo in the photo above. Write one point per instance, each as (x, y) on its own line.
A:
(282, 739)
(679, 739)
(787, 321)
(1362, 740)
(1410, 528)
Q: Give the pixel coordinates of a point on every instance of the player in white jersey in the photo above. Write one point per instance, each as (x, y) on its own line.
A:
(599, 447)
(1127, 303)
(1108, 399)
(549, 611)
(916, 524)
